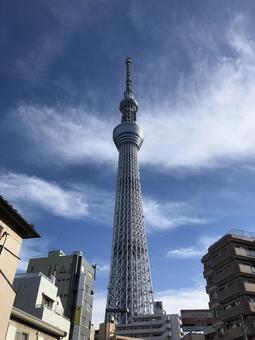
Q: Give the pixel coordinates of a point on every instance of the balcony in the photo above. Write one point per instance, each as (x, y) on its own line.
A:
(245, 307)
(226, 274)
(223, 257)
(234, 333)
(238, 287)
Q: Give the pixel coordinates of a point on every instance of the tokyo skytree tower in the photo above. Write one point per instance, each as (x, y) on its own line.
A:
(130, 288)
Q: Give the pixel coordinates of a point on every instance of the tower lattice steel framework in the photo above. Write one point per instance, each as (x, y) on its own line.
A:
(130, 288)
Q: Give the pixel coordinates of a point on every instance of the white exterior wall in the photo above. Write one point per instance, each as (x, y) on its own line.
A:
(47, 288)
(56, 320)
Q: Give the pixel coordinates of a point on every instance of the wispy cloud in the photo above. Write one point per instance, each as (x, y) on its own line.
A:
(169, 215)
(209, 123)
(198, 250)
(33, 195)
(29, 191)
(31, 249)
(75, 136)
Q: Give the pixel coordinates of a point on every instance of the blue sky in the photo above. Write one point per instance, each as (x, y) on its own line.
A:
(62, 78)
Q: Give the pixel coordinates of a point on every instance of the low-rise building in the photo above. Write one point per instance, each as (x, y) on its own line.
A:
(13, 229)
(38, 295)
(24, 326)
(196, 321)
(229, 269)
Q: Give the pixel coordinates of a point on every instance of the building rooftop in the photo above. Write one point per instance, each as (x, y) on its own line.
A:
(13, 219)
(28, 275)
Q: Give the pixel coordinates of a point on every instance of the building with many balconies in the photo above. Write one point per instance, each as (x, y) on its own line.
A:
(229, 269)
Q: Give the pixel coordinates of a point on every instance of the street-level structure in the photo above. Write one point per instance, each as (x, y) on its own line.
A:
(229, 269)
(130, 287)
(13, 229)
(24, 326)
(196, 321)
(37, 295)
(74, 277)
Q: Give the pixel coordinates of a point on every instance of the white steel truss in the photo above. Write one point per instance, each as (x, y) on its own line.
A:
(130, 288)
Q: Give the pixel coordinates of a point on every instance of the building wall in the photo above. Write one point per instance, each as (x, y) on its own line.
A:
(33, 333)
(75, 281)
(9, 260)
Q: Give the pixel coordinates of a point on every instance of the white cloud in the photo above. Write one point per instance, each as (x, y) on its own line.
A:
(75, 136)
(32, 248)
(210, 122)
(49, 196)
(168, 215)
(199, 250)
(99, 303)
(183, 298)
(79, 201)
(173, 301)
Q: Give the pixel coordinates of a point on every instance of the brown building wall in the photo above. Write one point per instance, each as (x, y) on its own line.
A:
(229, 269)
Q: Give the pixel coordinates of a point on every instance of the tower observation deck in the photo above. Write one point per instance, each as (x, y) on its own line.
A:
(130, 288)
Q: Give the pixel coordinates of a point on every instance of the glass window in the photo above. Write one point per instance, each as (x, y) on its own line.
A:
(47, 302)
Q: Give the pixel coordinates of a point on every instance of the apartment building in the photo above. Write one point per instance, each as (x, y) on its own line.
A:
(13, 229)
(229, 269)
(74, 277)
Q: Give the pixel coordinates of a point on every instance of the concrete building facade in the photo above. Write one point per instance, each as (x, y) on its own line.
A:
(13, 229)
(24, 326)
(229, 269)
(37, 295)
(74, 277)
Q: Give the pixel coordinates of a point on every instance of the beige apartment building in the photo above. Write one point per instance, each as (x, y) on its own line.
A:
(229, 269)
(13, 229)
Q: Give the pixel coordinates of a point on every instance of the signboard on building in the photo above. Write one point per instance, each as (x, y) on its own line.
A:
(196, 320)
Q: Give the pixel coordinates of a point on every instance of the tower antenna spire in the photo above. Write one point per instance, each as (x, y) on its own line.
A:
(128, 105)
(129, 93)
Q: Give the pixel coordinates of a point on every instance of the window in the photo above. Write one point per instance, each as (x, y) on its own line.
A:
(221, 331)
(217, 314)
(251, 252)
(214, 295)
(21, 335)
(47, 302)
